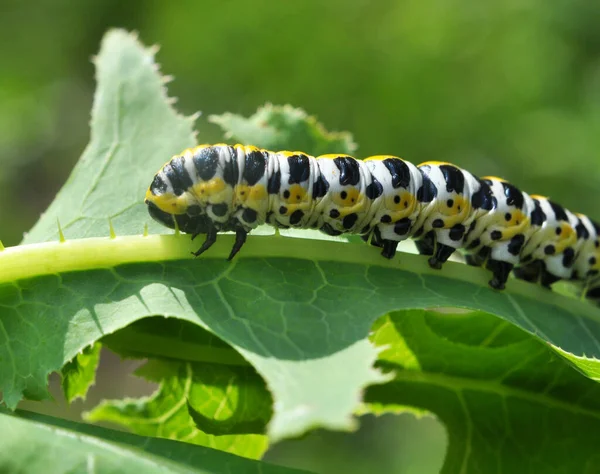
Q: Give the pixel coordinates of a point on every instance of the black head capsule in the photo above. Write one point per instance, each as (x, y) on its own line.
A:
(198, 224)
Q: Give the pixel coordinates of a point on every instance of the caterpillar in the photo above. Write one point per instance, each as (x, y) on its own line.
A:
(385, 199)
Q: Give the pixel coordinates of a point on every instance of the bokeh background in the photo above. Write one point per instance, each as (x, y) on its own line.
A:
(501, 87)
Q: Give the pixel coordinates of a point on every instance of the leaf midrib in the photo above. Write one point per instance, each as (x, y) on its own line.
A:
(27, 261)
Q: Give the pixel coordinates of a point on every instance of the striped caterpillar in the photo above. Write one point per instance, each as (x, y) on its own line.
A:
(384, 199)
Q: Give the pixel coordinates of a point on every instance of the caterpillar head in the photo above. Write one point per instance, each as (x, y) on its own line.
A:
(190, 224)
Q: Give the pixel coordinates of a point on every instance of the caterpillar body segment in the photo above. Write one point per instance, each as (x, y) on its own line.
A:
(455, 200)
(216, 188)
(587, 264)
(395, 206)
(554, 242)
(497, 237)
(588, 233)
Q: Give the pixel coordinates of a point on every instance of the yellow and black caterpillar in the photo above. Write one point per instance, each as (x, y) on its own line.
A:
(214, 188)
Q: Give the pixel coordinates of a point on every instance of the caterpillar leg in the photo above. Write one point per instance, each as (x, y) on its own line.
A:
(548, 278)
(479, 258)
(426, 245)
(530, 272)
(389, 248)
(329, 230)
(375, 236)
(211, 238)
(594, 295)
(240, 240)
(500, 271)
(441, 255)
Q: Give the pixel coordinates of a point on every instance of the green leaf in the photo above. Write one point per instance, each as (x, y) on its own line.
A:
(284, 127)
(134, 130)
(301, 322)
(231, 406)
(298, 310)
(510, 404)
(38, 443)
(80, 373)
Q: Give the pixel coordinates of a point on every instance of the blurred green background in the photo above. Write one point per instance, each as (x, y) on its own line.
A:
(508, 88)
